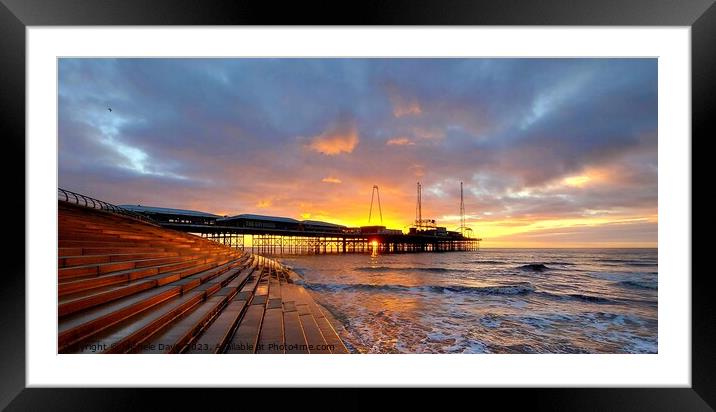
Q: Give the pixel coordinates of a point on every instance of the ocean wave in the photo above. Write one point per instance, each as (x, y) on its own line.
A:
(628, 262)
(638, 284)
(577, 296)
(589, 298)
(534, 267)
(508, 289)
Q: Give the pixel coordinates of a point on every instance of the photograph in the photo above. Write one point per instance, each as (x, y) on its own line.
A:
(496, 197)
(357, 205)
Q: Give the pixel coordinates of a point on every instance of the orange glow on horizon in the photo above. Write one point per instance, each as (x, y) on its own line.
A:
(348, 204)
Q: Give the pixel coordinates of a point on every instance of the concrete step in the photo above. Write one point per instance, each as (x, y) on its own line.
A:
(314, 337)
(71, 261)
(124, 334)
(133, 270)
(174, 337)
(271, 338)
(216, 335)
(75, 304)
(295, 340)
(79, 274)
(246, 337)
(81, 326)
(64, 252)
(76, 327)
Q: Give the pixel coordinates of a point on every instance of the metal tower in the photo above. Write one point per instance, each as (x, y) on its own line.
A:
(375, 191)
(464, 230)
(462, 212)
(420, 223)
(419, 208)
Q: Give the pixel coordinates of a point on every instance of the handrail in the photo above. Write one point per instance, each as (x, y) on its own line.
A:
(86, 201)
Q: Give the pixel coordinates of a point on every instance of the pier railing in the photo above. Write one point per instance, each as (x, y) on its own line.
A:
(86, 201)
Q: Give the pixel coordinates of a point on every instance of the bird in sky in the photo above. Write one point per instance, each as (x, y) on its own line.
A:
(109, 108)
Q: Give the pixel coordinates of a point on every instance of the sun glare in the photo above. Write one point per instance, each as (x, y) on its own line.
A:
(577, 181)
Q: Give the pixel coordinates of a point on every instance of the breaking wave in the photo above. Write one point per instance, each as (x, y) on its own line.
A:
(534, 267)
(511, 289)
(589, 298)
(638, 284)
(577, 296)
(628, 262)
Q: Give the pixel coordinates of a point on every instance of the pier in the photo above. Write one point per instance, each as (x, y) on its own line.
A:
(275, 236)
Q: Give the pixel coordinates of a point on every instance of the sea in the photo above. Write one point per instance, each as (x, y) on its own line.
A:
(489, 301)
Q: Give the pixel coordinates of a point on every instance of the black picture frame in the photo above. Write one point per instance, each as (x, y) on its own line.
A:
(16, 15)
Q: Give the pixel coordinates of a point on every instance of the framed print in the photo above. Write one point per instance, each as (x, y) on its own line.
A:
(488, 196)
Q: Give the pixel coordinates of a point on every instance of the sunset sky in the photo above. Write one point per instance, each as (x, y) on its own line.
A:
(552, 152)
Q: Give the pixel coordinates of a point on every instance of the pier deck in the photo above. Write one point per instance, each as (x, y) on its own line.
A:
(127, 286)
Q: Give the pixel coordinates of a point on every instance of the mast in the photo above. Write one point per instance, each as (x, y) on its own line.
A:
(419, 208)
(462, 212)
(373, 192)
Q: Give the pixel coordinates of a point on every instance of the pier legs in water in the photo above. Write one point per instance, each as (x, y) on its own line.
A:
(298, 245)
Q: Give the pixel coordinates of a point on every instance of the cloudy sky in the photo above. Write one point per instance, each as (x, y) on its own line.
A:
(552, 152)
